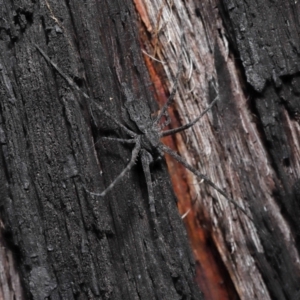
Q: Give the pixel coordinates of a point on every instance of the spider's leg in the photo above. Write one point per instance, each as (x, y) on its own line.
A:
(125, 141)
(61, 73)
(202, 176)
(166, 123)
(74, 86)
(134, 155)
(186, 126)
(146, 159)
(172, 95)
(174, 89)
(128, 131)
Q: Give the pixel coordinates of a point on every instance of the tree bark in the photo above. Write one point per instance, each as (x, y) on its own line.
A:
(248, 144)
(67, 242)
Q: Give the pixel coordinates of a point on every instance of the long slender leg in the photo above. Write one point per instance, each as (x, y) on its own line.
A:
(134, 155)
(186, 126)
(171, 97)
(166, 123)
(61, 73)
(125, 141)
(128, 131)
(202, 176)
(146, 159)
(74, 86)
(174, 89)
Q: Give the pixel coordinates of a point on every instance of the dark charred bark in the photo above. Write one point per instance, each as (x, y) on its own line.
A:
(69, 244)
(265, 36)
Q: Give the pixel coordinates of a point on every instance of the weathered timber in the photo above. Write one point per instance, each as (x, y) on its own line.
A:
(248, 144)
(67, 243)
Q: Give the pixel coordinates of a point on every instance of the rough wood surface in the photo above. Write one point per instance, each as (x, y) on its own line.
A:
(248, 144)
(69, 244)
(10, 285)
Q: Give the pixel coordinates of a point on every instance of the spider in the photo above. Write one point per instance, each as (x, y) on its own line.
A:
(147, 144)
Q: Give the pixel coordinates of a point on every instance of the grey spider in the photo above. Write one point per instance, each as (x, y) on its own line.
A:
(147, 142)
